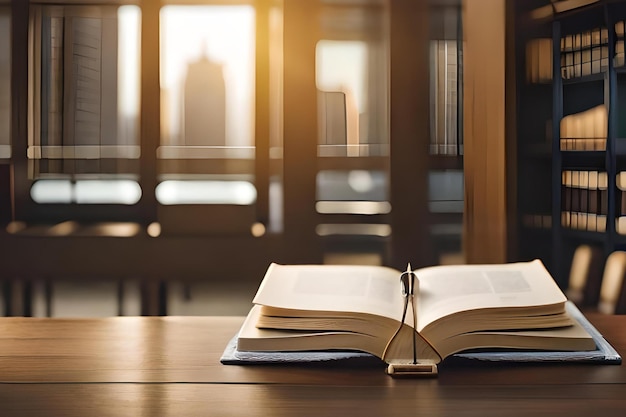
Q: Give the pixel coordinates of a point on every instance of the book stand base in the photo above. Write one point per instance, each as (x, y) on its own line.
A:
(412, 370)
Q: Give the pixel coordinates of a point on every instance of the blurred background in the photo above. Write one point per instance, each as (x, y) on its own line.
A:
(155, 157)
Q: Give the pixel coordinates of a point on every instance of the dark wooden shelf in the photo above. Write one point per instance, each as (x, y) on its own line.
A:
(536, 150)
(583, 160)
(600, 76)
(570, 96)
(584, 235)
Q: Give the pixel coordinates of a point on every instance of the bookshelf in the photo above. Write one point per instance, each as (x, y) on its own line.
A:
(571, 84)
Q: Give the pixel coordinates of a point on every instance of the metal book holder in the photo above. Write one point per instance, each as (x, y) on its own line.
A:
(415, 368)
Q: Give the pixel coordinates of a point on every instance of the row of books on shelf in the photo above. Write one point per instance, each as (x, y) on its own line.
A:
(586, 39)
(582, 54)
(575, 63)
(584, 200)
(595, 180)
(583, 144)
(575, 221)
(591, 222)
(537, 221)
(619, 44)
(584, 221)
(585, 131)
(539, 60)
(619, 54)
(591, 180)
(584, 62)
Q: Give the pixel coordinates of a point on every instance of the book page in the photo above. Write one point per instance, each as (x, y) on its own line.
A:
(445, 290)
(341, 288)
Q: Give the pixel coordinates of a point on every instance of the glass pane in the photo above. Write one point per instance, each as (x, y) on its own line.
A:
(352, 121)
(207, 104)
(5, 83)
(84, 116)
(445, 189)
(86, 191)
(351, 74)
(446, 72)
(354, 185)
(444, 100)
(206, 192)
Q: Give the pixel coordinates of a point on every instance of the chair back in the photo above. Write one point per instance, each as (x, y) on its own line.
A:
(613, 284)
(585, 276)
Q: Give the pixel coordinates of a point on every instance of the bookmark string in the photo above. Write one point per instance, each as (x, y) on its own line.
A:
(412, 302)
(407, 280)
(409, 298)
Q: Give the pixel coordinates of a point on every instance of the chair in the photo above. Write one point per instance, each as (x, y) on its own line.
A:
(612, 289)
(585, 276)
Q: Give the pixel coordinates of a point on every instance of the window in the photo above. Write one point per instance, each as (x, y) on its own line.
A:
(207, 105)
(446, 76)
(352, 193)
(444, 106)
(84, 102)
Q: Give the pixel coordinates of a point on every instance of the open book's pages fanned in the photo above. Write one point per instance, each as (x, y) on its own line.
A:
(604, 353)
(458, 308)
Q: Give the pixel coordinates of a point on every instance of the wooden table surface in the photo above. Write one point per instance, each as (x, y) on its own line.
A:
(169, 366)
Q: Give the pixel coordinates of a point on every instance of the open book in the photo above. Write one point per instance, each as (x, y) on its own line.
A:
(461, 307)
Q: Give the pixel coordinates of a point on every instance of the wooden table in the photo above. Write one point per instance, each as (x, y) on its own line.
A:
(169, 366)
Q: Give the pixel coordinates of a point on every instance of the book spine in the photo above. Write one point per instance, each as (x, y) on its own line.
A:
(584, 200)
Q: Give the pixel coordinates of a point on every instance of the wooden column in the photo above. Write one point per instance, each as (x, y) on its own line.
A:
(150, 108)
(152, 299)
(262, 112)
(16, 293)
(409, 133)
(485, 222)
(20, 184)
(301, 24)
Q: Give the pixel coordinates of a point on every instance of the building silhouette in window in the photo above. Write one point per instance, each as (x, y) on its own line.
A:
(204, 104)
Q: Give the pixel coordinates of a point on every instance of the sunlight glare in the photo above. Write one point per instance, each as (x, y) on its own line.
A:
(129, 18)
(223, 34)
(206, 192)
